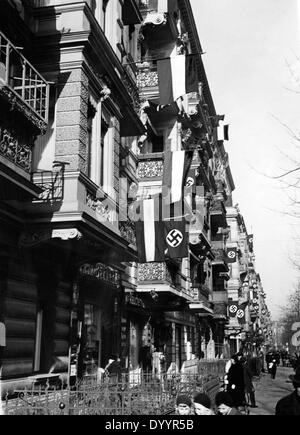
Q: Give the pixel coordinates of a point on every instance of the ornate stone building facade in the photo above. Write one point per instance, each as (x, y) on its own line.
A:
(80, 141)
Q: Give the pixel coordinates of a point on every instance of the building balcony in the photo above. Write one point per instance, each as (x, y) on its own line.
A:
(220, 297)
(220, 301)
(15, 163)
(219, 263)
(198, 113)
(159, 24)
(71, 201)
(157, 278)
(22, 86)
(218, 214)
(202, 308)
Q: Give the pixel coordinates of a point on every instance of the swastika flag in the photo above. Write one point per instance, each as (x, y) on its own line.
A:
(159, 235)
(241, 315)
(233, 308)
(231, 255)
(177, 238)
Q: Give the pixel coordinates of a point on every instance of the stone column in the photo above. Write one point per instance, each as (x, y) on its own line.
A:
(71, 120)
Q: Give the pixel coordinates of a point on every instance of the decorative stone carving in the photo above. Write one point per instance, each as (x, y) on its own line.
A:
(101, 272)
(182, 43)
(147, 79)
(127, 230)
(105, 93)
(17, 153)
(135, 301)
(153, 272)
(99, 206)
(150, 169)
(35, 237)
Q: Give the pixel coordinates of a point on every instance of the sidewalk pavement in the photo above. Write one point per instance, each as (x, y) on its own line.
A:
(268, 391)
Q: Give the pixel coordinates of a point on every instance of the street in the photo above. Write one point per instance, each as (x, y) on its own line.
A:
(269, 391)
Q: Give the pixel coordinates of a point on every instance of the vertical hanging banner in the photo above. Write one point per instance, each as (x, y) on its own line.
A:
(177, 238)
(250, 242)
(223, 132)
(176, 168)
(231, 255)
(177, 76)
(233, 308)
(241, 313)
(161, 230)
(2, 335)
(150, 235)
(166, 6)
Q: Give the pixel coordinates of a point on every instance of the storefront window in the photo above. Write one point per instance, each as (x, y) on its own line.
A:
(92, 339)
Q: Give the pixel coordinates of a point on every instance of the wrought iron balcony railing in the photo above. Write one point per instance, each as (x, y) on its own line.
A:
(23, 80)
(14, 150)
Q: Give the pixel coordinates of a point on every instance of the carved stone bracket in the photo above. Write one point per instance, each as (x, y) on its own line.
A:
(33, 238)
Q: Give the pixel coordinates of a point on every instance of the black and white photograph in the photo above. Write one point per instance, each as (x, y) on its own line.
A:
(149, 210)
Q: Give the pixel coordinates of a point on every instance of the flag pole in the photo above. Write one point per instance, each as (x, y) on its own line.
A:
(160, 58)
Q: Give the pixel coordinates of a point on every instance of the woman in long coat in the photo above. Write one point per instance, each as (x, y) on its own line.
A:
(236, 383)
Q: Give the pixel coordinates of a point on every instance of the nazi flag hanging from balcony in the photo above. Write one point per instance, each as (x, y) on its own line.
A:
(241, 313)
(233, 308)
(177, 238)
(160, 233)
(231, 255)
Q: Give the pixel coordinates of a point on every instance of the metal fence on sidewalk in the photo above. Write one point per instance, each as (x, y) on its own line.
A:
(132, 394)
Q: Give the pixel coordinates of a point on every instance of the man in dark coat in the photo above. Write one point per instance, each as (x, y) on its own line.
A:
(290, 405)
(249, 367)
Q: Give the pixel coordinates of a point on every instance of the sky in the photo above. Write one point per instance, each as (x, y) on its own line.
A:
(251, 50)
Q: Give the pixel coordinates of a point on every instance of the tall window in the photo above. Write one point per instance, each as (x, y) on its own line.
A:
(104, 8)
(104, 130)
(90, 122)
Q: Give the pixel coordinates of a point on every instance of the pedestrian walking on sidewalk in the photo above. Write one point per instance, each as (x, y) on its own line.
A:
(236, 383)
(202, 405)
(225, 405)
(248, 377)
(290, 405)
(273, 367)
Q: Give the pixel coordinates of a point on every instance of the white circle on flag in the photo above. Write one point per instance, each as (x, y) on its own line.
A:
(190, 182)
(174, 238)
(231, 254)
(233, 309)
(240, 314)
